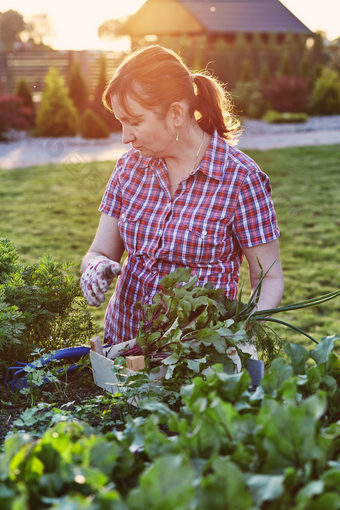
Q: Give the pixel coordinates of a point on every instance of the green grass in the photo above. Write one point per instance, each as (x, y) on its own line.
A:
(53, 209)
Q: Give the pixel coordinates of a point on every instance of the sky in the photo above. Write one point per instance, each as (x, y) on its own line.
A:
(75, 23)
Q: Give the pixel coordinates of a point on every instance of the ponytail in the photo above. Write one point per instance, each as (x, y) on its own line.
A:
(215, 108)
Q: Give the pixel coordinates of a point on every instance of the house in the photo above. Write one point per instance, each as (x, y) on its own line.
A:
(212, 19)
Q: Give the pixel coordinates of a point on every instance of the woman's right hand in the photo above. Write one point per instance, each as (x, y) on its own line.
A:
(97, 278)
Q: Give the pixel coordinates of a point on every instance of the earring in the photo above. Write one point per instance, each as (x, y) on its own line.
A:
(177, 136)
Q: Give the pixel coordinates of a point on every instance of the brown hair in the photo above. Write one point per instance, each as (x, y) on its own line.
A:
(156, 77)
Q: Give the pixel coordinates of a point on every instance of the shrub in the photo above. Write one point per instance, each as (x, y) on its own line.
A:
(13, 114)
(23, 91)
(77, 88)
(274, 117)
(326, 93)
(287, 94)
(92, 126)
(248, 99)
(40, 306)
(57, 116)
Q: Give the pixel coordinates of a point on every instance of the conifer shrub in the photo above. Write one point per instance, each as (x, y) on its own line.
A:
(248, 99)
(57, 115)
(92, 126)
(326, 93)
(41, 306)
(287, 94)
(78, 90)
(23, 91)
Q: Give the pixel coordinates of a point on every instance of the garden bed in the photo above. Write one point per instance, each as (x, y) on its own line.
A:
(78, 387)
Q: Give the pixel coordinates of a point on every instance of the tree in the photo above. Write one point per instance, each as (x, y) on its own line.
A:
(78, 91)
(333, 51)
(200, 44)
(23, 91)
(39, 28)
(246, 73)
(102, 81)
(222, 63)
(57, 115)
(265, 74)
(286, 66)
(11, 25)
(97, 104)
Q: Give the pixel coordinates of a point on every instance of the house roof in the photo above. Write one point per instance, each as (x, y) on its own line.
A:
(245, 16)
(213, 16)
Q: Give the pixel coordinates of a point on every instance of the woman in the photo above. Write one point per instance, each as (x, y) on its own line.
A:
(181, 196)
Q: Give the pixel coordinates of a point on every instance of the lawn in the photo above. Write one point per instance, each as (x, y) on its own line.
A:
(53, 209)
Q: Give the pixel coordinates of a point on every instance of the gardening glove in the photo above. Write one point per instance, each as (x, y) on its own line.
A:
(97, 277)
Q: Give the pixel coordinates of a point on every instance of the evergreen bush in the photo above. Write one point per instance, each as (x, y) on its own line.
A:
(57, 115)
(78, 91)
(326, 93)
(92, 126)
(41, 305)
(23, 91)
(248, 99)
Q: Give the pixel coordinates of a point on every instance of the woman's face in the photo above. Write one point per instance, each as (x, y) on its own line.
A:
(144, 130)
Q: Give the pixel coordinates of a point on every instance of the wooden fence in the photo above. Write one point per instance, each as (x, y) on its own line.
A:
(34, 65)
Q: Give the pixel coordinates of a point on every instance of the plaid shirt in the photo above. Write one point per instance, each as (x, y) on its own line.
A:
(223, 206)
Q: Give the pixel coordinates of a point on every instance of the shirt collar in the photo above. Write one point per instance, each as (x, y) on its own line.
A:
(215, 158)
(212, 164)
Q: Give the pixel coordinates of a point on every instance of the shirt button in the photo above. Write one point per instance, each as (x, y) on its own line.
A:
(204, 233)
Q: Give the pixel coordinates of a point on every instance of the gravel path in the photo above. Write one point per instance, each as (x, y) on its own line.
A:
(26, 151)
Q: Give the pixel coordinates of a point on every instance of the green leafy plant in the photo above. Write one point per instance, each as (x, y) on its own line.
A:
(189, 328)
(224, 447)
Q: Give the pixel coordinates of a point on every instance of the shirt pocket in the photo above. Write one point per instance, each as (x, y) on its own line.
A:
(205, 244)
(129, 228)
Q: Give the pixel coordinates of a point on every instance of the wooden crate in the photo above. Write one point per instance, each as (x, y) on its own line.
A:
(105, 377)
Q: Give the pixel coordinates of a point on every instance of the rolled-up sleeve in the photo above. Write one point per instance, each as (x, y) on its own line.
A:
(255, 219)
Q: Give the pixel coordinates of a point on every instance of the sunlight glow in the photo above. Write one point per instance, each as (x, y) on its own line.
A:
(75, 24)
